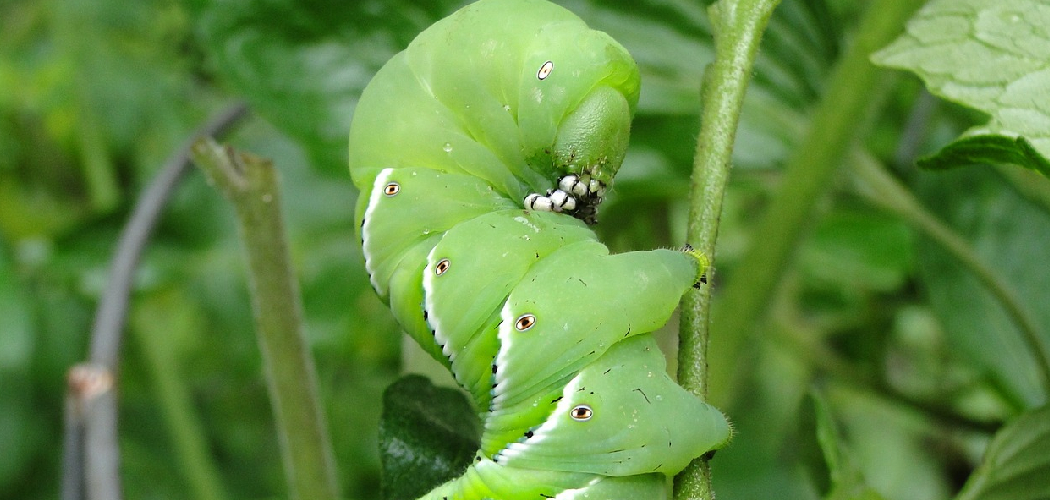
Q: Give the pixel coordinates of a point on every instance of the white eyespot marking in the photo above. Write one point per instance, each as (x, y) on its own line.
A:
(441, 267)
(392, 189)
(545, 70)
(525, 321)
(581, 413)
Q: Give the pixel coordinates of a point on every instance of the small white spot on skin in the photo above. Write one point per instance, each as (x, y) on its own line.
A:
(537, 95)
(545, 70)
(375, 197)
(528, 223)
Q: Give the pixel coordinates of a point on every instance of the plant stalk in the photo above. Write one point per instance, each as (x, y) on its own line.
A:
(738, 27)
(91, 460)
(250, 184)
(807, 175)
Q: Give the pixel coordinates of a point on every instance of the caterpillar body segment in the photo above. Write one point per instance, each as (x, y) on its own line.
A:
(482, 152)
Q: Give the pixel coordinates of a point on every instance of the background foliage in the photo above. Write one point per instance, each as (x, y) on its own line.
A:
(903, 351)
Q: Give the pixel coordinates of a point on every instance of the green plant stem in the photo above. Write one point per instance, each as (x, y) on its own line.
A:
(807, 175)
(884, 191)
(250, 184)
(738, 27)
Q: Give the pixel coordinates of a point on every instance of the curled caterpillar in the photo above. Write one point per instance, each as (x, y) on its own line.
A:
(482, 152)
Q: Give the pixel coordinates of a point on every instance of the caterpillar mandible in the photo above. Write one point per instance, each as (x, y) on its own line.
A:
(482, 152)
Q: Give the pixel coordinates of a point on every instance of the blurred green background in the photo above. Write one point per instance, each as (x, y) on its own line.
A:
(914, 359)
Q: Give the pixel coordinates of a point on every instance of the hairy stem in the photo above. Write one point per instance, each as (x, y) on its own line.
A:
(250, 184)
(738, 31)
(807, 175)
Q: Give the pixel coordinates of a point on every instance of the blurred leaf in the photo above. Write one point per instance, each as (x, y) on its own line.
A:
(28, 211)
(16, 343)
(303, 65)
(670, 41)
(847, 479)
(859, 250)
(989, 55)
(1009, 233)
(20, 429)
(428, 435)
(161, 325)
(93, 90)
(1016, 465)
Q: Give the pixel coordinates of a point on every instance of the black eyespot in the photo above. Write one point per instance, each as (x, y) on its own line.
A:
(545, 70)
(441, 267)
(581, 413)
(525, 322)
(392, 189)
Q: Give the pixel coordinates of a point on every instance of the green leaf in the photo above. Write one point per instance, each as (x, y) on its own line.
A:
(20, 425)
(1016, 465)
(858, 251)
(992, 56)
(1008, 233)
(988, 149)
(303, 65)
(847, 479)
(427, 436)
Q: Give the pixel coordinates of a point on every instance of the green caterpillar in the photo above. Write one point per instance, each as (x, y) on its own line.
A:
(482, 151)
